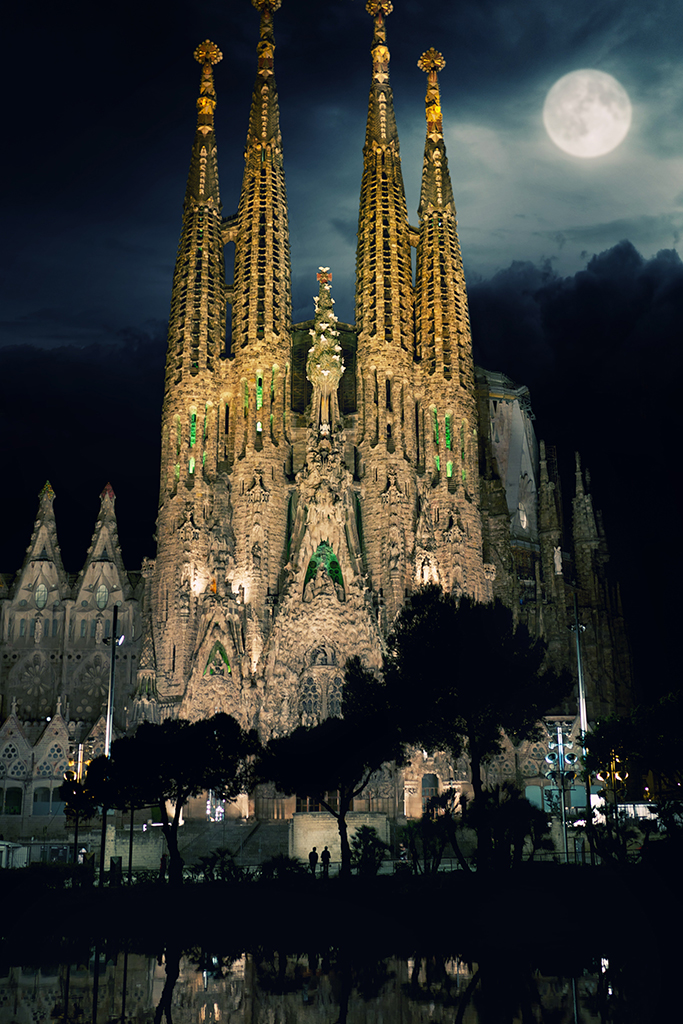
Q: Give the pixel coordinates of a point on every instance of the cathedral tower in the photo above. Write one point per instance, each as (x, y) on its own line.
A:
(189, 452)
(449, 536)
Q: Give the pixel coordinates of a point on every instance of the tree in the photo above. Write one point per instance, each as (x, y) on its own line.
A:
(462, 674)
(368, 851)
(338, 756)
(172, 762)
(79, 805)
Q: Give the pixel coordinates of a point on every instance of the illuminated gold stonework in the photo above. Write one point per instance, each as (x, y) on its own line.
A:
(431, 60)
(267, 5)
(375, 7)
(208, 52)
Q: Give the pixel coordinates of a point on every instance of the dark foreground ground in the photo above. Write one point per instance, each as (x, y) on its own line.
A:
(549, 913)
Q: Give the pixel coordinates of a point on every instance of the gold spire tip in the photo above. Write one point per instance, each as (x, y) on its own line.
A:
(431, 60)
(375, 7)
(267, 5)
(207, 53)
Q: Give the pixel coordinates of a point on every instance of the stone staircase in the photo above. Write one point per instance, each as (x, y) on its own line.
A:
(250, 842)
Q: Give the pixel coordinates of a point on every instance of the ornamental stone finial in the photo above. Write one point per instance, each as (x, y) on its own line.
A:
(376, 7)
(267, 5)
(208, 53)
(432, 62)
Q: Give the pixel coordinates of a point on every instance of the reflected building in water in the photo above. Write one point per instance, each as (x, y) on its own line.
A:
(280, 989)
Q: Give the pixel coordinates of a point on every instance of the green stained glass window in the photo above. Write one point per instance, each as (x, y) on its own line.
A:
(449, 439)
(259, 392)
(437, 460)
(177, 471)
(324, 555)
(193, 429)
(449, 469)
(191, 466)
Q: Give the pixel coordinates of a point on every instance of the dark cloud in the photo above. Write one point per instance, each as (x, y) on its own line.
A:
(100, 424)
(598, 351)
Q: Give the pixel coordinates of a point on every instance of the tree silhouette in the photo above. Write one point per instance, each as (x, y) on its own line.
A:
(461, 675)
(339, 755)
(172, 762)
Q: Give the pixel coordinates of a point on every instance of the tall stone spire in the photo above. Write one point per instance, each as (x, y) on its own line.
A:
(192, 397)
(262, 302)
(196, 337)
(383, 264)
(325, 364)
(444, 342)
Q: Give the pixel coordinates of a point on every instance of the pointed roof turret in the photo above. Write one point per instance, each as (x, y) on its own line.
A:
(443, 327)
(44, 546)
(383, 264)
(262, 303)
(104, 563)
(43, 561)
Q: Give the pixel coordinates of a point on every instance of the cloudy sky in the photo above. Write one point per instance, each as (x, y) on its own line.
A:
(575, 283)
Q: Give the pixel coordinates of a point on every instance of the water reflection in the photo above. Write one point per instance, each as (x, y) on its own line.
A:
(197, 986)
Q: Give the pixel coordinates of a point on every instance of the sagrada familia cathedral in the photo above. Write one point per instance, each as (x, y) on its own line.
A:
(313, 475)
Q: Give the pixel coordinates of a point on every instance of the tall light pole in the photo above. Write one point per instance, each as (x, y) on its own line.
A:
(577, 629)
(113, 642)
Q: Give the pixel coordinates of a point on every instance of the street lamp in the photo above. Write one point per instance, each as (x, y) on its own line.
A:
(113, 642)
(563, 763)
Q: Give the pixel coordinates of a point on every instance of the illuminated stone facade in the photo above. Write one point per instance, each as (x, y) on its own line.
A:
(313, 475)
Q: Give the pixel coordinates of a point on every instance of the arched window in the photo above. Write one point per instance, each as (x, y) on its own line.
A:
(101, 596)
(430, 788)
(41, 595)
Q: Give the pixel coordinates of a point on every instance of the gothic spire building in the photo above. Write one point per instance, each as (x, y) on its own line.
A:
(312, 474)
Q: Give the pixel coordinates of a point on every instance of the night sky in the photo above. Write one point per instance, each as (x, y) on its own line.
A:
(574, 278)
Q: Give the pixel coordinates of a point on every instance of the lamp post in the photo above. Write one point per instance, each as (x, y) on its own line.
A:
(577, 629)
(113, 642)
(563, 768)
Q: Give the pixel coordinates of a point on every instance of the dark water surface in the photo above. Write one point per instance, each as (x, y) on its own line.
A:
(196, 986)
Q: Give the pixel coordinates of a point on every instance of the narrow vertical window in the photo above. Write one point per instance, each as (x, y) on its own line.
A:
(191, 465)
(259, 391)
(449, 438)
(193, 429)
(436, 426)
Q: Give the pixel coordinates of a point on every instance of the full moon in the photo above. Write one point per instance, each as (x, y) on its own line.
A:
(587, 113)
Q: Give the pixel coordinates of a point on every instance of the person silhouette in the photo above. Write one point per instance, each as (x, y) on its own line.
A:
(325, 858)
(313, 860)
